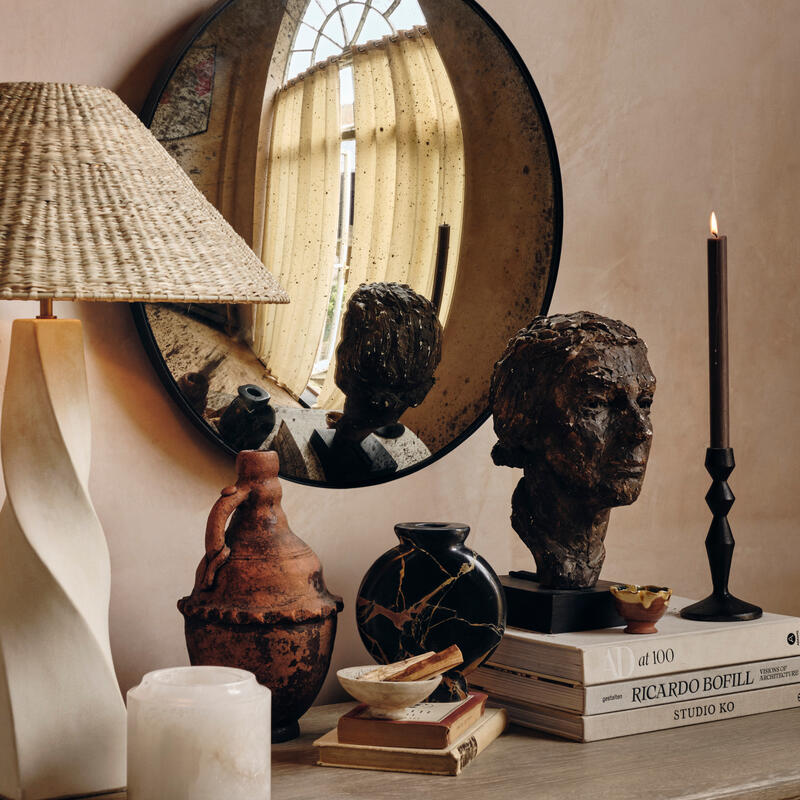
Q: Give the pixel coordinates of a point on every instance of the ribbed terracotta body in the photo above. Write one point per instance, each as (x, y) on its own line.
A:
(259, 601)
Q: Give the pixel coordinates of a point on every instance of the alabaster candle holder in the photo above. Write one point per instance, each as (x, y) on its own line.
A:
(199, 733)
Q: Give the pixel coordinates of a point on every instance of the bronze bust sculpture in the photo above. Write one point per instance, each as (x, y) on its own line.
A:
(571, 399)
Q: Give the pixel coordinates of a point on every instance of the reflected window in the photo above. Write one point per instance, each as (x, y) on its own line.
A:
(329, 28)
(366, 164)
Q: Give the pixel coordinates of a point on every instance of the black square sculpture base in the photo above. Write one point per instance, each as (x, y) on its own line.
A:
(351, 462)
(537, 608)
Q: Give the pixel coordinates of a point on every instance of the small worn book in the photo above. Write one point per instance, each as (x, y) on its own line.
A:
(427, 725)
(446, 761)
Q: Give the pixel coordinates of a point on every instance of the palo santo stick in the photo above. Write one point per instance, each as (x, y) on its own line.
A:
(384, 672)
(430, 666)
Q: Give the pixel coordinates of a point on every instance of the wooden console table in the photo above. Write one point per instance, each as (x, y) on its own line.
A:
(754, 757)
(757, 758)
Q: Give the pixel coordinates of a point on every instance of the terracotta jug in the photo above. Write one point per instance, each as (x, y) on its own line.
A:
(259, 601)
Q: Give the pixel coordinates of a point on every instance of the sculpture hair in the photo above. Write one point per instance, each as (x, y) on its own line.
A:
(531, 364)
(391, 343)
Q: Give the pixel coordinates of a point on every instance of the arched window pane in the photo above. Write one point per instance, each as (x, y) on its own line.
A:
(326, 49)
(333, 30)
(305, 37)
(326, 5)
(314, 15)
(298, 62)
(375, 27)
(407, 15)
(352, 13)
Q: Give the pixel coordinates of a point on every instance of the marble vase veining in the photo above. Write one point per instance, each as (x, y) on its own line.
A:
(427, 593)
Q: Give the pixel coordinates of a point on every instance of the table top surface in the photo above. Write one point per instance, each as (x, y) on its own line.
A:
(755, 757)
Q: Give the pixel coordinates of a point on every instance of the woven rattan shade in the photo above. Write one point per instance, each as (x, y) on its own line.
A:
(93, 208)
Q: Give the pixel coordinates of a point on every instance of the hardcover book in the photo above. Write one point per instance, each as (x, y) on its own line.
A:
(681, 645)
(594, 727)
(431, 726)
(446, 761)
(602, 698)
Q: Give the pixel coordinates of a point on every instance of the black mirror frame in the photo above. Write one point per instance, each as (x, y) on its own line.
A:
(140, 315)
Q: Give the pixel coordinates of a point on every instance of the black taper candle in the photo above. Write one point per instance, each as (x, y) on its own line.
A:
(720, 605)
(718, 340)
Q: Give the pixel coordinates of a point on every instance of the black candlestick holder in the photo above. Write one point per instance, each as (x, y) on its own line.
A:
(720, 605)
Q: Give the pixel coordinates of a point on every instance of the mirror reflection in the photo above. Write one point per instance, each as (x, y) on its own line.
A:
(414, 225)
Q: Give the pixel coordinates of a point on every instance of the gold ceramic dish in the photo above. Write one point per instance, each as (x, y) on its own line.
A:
(641, 606)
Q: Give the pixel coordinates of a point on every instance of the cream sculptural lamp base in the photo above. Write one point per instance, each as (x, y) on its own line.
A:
(62, 718)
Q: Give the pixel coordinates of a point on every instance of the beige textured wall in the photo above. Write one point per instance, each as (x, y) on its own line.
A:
(661, 110)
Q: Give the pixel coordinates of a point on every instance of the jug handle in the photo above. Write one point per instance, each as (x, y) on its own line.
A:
(217, 550)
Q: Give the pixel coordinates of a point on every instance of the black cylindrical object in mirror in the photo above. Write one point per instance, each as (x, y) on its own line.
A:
(248, 420)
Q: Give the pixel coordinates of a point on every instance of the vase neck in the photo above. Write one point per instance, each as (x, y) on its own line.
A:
(432, 535)
(257, 465)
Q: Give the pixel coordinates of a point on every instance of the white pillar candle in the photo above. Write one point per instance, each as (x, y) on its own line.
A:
(199, 733)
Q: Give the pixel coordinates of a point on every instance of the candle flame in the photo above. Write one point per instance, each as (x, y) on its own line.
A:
(713, 225)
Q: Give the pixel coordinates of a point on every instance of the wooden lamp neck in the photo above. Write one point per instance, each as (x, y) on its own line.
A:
(46, 309)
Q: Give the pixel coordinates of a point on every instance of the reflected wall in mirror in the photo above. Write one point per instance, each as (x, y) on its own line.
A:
(374, 144)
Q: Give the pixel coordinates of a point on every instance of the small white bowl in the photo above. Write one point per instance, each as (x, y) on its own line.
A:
(386, 699)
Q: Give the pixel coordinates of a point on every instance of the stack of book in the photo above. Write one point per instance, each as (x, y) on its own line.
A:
(433, 738)
(605, 683)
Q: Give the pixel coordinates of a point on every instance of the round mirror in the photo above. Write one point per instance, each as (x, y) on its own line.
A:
(392, 164)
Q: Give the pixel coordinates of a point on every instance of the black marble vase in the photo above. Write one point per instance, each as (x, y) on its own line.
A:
(429, 592)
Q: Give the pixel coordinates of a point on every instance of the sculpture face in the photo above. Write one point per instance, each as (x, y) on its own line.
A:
(598, 425)
(571, 401)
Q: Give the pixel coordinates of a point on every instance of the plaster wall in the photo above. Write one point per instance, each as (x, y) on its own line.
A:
(661, 111)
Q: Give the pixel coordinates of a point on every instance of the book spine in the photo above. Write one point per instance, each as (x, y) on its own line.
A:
(469, 749)
(656, 718)
(685, 686)
(660, 655)
(605, 698)
(676, 715)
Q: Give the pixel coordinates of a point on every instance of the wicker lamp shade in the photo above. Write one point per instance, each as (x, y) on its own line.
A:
(93, 208)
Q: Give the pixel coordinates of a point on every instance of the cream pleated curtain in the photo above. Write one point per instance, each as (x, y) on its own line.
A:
(409, 171)
(300, 229)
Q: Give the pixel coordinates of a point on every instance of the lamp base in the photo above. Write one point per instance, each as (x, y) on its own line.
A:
(721, 608)
(62, 717)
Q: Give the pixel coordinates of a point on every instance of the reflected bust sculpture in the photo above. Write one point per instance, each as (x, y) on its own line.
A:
(571, 399)
(391, 345)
